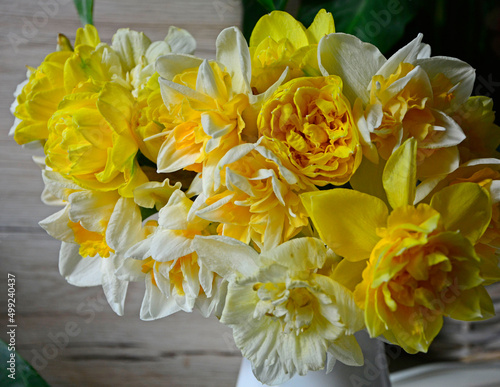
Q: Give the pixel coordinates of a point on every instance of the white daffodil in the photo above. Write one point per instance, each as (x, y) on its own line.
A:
(167, 262)
(211, 105)
(285, 310)
(408, 95)
(96, 228)
(86, 226)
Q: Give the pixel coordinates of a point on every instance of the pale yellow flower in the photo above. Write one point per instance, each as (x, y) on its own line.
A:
(255, 198)
(286, 314)
(166, 259)
(409, 95)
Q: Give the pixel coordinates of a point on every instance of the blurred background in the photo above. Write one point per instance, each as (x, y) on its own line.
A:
(184, 349)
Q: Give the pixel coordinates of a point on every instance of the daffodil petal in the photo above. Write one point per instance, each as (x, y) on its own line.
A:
(458, 72)
(408, 54)
(400, 175)
(346, 220)
(464, 207)
(233, 52)
(75, 269)
(168, 66)
(322, 25)
(352, 60)
(279, 25)
(225, 256)
(180, 41)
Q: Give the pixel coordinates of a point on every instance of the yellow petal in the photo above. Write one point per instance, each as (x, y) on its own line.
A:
(465, 207)
(399, 177)
(279, 25)
(322, 25)
(346, 220)
(368, 179)
(87, 36)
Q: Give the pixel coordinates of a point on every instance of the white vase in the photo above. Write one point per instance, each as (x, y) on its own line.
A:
(374, 373)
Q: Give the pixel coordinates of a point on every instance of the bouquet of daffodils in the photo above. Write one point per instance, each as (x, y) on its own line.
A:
(301, 187)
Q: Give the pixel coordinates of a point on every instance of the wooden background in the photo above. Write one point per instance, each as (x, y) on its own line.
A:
(182, 350)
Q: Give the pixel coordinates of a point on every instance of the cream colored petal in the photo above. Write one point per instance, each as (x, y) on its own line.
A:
(155, 305)
(347, 350)
(130, 270)
(352, 60)
(130, 46)
(114, 289)
(155, 194)
(206, 81)
(233, 53)
(76, 270)
(92, 209)
(125, 226)
(227, 257)
(451, 135)
(298, 254)
(57, 227)
(180, 41)
(175, 214)
(58, 186)
(407, 54)
(168, 66)
(458, 72)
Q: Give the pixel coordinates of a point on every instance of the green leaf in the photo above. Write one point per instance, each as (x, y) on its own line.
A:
(267, 4)
(379, 22)
(85, 9)
(25, 375)
(147, 212)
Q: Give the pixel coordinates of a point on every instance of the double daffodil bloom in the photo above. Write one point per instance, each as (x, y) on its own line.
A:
(37, 98)
(211, 105)
(408, 95)
(278, 42)
(96, 229)
(255, 198)
(286, 313)
(486, 173)
(477, 119)
(421, 262)
(81, 104)
(308, 124)
(175, 279)
(84, 226)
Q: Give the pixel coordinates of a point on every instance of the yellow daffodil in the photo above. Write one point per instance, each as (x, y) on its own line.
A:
(308, 124)
(421, 263)
(409, 95)
(477, 119)
(486, 173)
(89, 110)
(278, 41)
(211, 105)
(91, 141)
(255, 198)
(38, 97)
(175, 279)
(285, 315)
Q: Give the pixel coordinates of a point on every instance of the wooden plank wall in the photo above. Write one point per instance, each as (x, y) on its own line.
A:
(182, 350)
